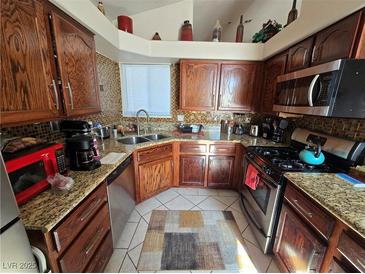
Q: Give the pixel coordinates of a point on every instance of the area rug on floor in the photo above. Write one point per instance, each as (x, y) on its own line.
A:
(193, 240)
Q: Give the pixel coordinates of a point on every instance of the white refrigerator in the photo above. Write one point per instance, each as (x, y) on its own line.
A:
(15, 251)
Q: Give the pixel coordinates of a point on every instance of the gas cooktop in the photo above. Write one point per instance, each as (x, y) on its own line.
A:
(287, 159)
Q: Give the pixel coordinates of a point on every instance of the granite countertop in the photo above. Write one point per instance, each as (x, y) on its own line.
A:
(334, 194)
(47, 209)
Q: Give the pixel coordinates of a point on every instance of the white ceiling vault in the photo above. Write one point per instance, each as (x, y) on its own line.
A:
(205, 12)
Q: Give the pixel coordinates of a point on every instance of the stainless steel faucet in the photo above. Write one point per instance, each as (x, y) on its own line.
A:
(148, 120)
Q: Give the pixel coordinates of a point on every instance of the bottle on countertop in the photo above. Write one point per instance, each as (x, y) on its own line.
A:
(217, 32)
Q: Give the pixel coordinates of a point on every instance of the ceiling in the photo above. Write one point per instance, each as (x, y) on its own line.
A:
(205, 13)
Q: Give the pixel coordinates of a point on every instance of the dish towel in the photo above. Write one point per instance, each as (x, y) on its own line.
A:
(251, 179)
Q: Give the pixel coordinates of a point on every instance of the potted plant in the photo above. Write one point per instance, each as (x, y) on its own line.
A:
(269, 29)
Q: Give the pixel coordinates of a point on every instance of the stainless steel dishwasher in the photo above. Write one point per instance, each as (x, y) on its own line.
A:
(121, 196)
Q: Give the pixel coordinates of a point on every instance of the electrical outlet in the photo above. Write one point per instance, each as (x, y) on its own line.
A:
(180, 118)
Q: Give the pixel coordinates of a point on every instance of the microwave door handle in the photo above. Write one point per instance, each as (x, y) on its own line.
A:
(310, 90)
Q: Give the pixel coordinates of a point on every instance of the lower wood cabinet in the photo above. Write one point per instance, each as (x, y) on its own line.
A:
(82, 242)
(192, 170)
(296, 247)
(220, 171)
(155, 176)
(154, 170)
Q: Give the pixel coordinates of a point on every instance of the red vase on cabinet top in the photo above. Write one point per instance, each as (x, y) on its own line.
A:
(186, 32)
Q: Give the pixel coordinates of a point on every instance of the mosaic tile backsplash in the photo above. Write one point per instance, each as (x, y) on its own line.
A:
(111, 106)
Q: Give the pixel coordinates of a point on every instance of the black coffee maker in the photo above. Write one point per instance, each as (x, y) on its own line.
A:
(80, 145)
(81, 152)
(267, 128)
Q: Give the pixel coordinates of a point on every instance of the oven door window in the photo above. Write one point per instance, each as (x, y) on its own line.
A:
(27, 176)
(261, 194)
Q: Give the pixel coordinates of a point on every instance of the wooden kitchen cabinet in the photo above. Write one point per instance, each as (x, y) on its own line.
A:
(219, 85)
(82, 241)
(192, 170)
(198, 84)
(154, 170)
(296, 248)
(299, 56)
(220, 171)
(155, 177)
(28, 90)
(272, 69)
(76, 57)
(238, 85)
(338, 40)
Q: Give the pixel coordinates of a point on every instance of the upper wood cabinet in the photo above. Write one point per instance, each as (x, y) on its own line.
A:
(237, 85)
(218, 85)
(338, 40)
(272, 69)
(31, 69)
(299, 56)
(198, 84)
(77, 65)
(28, 89)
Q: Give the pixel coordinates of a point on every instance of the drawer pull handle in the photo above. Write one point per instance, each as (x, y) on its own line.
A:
(309, 214)
(92, 207)
(360, 263)
(93, 240)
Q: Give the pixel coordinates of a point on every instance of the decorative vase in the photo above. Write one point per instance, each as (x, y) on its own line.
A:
(186, 31)
(293, 13)
(217, 32)
(101, 7)
(156, 36)
(239, 33)
(125, 23)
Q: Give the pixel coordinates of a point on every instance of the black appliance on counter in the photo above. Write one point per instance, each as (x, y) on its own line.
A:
(333, 89)
(81, 152)
(279, 130)
(266, 166)
(81, 148)
(267, 128)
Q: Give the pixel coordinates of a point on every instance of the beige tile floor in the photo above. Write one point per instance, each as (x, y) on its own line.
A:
(128, 249)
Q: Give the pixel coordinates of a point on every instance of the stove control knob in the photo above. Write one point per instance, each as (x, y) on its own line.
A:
(250, 155)
(268, 171)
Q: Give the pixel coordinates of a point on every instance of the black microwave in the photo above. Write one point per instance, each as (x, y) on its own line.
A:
(334, 89)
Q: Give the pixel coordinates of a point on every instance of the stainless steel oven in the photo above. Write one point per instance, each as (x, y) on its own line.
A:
(261, 205)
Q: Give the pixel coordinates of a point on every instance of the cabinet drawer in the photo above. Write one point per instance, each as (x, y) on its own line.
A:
(318, 218)
(222, 149)
(84, 247)
(154, 153)
(193, 148)
(66, 232)
(353, 251)
(102, 256)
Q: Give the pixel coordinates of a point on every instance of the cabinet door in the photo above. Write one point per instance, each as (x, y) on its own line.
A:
(77, 65)
(220, 171)
(198, 85)
(296, 247)
(299, 56)
(192, 170)
(273, 68)
(237, 86)
(336, 41)
(155, 176)
(27, 90)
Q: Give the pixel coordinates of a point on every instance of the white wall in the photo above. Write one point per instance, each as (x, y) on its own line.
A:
(260, 11)
(166, 20)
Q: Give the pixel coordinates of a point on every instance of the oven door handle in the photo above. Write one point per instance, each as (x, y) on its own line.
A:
(250, 217)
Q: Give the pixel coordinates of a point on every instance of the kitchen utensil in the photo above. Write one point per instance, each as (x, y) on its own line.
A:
(312, 155)
(239, 129)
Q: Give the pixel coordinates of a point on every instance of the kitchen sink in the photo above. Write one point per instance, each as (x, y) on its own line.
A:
(133, 140)
(155, 137)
